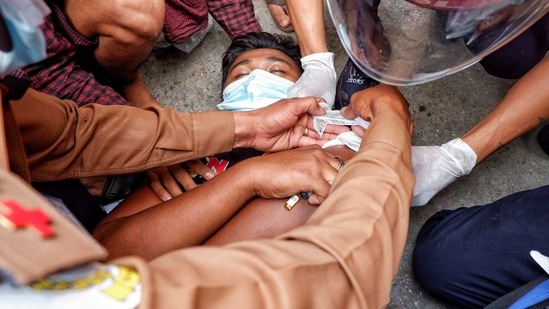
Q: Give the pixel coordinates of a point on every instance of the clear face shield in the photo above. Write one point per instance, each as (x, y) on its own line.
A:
(411, 42)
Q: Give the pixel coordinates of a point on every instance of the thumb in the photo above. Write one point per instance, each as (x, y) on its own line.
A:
(308, 105)
(348, 113)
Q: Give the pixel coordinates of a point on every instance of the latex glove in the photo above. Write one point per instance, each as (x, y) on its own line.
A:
(318, 79)
(436, 167)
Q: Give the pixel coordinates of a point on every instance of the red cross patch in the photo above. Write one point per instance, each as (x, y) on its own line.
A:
(14, 216)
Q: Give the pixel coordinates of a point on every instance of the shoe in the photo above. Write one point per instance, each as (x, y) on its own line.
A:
(351, 80)
(278, 10)
(543, 138)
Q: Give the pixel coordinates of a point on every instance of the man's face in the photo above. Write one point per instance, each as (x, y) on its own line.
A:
(270, 60)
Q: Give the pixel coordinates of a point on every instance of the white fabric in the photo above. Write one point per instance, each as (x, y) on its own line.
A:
(349, 139)
(436, 167)
(541, 259)
(318, 79)
(91, 286)
(335, 117)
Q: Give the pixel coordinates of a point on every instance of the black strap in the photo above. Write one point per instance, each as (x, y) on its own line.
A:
(14, 142)
(17, 86)
(510, 298)
(77, 199)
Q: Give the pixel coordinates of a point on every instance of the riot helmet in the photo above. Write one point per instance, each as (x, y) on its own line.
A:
(408, 42)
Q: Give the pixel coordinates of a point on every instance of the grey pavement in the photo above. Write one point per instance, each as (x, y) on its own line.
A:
(441, 110)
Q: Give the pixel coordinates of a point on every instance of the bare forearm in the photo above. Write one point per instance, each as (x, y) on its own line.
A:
(187, 220)
(126, 32)
(308, 20)
(138, 93)
(122, 62)
(522, 109)
(190, 219)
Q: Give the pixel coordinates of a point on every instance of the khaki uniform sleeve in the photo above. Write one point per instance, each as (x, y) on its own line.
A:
(345, 256)
(65, 141)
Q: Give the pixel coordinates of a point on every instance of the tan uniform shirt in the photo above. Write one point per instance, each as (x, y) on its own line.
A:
(345, 256)
(65, 141)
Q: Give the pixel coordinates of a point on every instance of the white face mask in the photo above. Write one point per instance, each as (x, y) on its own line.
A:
(23, 19)
(259, 89)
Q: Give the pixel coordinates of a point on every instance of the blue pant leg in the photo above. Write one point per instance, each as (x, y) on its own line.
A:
(469, 257)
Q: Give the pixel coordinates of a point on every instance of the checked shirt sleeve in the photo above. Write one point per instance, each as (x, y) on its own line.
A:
(60, 75)
(236, 17)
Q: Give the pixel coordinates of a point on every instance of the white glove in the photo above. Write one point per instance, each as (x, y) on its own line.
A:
(318, 79)
(436, 167)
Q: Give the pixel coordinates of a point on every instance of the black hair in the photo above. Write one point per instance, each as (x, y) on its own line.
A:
(256, 40)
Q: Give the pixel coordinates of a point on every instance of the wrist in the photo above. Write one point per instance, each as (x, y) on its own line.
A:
(461, 153)
(326, 58)
(390, 100)
(244, 130)
(245, 172)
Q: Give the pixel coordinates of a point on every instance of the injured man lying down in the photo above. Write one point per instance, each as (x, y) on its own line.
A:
(256, 72)
(258, 69)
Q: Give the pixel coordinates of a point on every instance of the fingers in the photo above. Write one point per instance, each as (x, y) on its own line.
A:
(311, 137)
(95, 184)
(281, 17)
(340, 164)
(350, 113)
(336, 129)
(282, 174)
(275, 127)
(329, 171)
(327, 134)
(329, 129)
(157, 187)
(201, 169)
(168, 182)
(180, 177)
(375, 100)
(359, 130)
(308, 105)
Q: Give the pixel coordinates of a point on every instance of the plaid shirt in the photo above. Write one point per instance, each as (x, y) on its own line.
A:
(62, 75)
(186, 17)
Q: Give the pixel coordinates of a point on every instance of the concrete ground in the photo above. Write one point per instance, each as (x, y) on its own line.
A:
(441, 111)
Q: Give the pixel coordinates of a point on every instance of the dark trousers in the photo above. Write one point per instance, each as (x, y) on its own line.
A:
(469, 257)
(76, 198)
(519, 56)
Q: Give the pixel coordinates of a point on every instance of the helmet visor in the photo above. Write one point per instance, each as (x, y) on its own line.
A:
(410, 42)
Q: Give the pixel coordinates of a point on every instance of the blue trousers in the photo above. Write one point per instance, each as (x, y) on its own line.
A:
(469, 257)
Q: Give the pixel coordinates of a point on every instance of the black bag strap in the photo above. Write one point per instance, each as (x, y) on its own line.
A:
(11, 138)
(510, 298)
